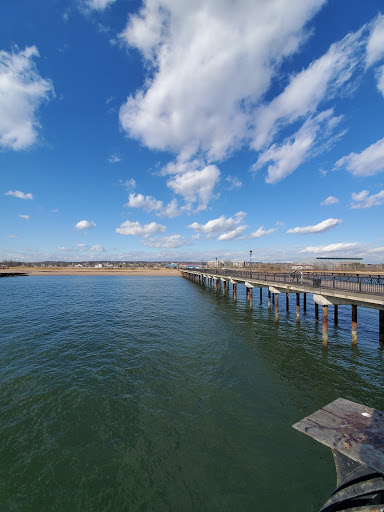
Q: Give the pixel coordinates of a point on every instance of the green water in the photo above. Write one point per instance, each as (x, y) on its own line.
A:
(159, 394)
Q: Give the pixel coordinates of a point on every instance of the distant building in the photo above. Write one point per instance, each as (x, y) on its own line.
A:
(339, 262)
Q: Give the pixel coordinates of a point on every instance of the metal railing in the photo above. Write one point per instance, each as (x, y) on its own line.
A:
(367, 284)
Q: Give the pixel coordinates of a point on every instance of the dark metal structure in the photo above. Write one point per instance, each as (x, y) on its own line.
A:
(355, 434)
(367, 284)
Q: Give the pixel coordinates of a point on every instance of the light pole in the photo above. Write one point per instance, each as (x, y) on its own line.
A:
(250, 261)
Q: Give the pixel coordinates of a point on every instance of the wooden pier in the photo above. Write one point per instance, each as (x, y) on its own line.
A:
(327, 290)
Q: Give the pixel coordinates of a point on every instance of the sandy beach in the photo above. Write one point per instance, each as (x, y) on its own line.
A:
(46, 271)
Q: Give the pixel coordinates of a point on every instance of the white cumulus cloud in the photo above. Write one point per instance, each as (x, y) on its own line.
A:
(262, 232)
(20, 195)
(367, 163)
(325, 225)
(220, 225)
(234, 233)
(22, 90)
(364, 200)
(150, 204)
(329, 200)
(84, 224)
(208, 63)
(193, 180)
(136, 229)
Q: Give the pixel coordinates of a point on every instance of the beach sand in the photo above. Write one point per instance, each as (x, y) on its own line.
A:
(47, 271)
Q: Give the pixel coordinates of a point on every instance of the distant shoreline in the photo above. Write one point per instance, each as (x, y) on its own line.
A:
(43, 271)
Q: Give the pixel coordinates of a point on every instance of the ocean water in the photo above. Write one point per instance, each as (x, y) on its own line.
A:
(123, 393)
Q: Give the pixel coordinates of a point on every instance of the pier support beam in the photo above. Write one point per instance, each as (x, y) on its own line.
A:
(325, 326)
(297, 307)
(381, 327)
(336, 314)
(287, 301)
(269, 299)
(354, 324)
(234, 291)
(261, 295)
(224, 286)
(304, 302)
(316, 312)
(273, 298)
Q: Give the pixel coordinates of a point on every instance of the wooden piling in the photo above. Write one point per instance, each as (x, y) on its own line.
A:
(336, 315)
(261, 295)
(287, 301)
(234, 291)
(325, 326)
(269, 299)
(316, 312)
(304, 302)
(381, 327)
(354, 324)
(250, 295)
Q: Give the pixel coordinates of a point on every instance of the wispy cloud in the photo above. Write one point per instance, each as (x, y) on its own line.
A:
(26, 217)
(20, 195)
(262, 232)
(233, 183)
(293, 151)
(325, 225)
(329, 200)
(98, 5)
(113, 159)
(332, 248)
(97, 248)
(168, 242)
(364, 200)
(367, 163)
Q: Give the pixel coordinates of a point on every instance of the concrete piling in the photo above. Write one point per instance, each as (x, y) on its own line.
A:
(325, 326)
(354, 324)
(277, 307)
(297, 307)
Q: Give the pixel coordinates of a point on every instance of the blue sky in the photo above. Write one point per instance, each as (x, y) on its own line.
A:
(178, 130)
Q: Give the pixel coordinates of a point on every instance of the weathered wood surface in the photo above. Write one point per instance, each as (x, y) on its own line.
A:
(352, 429)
